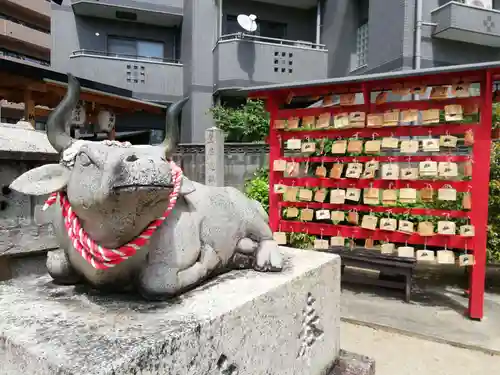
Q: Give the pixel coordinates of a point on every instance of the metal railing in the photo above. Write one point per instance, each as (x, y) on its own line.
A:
(265, 39)
(87, 52)
(20, 56)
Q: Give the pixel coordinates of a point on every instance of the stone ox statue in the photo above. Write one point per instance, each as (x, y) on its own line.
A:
(125, 217)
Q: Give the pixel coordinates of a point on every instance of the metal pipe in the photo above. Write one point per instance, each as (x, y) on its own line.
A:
(418, 34)
(318, 22)
(221, 16)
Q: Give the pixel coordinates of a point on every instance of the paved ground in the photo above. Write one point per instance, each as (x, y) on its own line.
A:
(436, 310)
(403, 355)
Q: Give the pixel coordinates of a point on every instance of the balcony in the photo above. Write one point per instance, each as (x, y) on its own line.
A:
(243, 60)
(164, 13)
(465, 23)
(148, 78)
(18, 33)
(39, 7)
(304, 4)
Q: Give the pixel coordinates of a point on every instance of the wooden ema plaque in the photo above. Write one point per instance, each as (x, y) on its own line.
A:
(444, 120)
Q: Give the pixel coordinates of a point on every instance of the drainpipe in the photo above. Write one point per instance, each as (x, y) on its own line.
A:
(220, 18)
(419, 24)
(318, 22)
(418, 34)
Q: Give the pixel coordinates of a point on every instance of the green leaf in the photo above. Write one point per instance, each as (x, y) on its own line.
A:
(247, 123)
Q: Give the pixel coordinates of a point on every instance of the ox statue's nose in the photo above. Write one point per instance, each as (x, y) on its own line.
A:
(131, 158)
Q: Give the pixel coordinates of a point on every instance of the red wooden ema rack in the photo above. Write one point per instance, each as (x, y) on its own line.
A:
(284, 101)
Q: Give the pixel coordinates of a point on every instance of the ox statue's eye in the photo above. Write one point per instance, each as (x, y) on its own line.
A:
(85, 160)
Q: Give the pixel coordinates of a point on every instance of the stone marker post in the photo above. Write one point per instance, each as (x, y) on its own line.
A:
(214, 157)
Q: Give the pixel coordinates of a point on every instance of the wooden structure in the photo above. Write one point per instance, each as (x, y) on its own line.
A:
(411, 125)
(399, 269)
(41, 89)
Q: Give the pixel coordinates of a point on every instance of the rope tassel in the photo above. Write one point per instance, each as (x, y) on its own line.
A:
(100, 257)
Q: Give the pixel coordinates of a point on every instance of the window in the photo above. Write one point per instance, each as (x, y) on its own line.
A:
(150, 49)
(265, 28)
(272, 29)
(362, 45)
(136, 47)
(361, 56)
(232, 26)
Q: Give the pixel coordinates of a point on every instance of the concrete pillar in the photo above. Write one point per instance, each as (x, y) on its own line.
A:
(339, 35)
(199, 34)
(214, 157)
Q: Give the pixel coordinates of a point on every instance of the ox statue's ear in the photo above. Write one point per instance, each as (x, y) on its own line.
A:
(187, 186)
(46, 179)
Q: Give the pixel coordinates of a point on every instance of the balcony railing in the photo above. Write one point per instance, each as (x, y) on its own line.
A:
(265, 39)
(466, 23)
(20, 56)
(88, 52)
(152, 78)
(244, 59)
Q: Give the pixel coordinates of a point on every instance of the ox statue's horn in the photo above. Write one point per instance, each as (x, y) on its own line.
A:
(56, 122)
(172, 127)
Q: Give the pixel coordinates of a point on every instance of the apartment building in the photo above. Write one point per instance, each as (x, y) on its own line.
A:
(163, 50)
(25, 30)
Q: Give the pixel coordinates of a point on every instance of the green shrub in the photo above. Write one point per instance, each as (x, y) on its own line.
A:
(258, 188)
(247, 123)
(493, 245)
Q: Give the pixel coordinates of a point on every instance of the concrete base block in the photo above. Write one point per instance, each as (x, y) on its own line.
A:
(241, 323)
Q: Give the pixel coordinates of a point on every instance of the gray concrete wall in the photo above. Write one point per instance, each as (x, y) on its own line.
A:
(19, 234)
(339, 35)
(199, 35)
(301, 23)
(241, 63)
(391, 43)
(386, 24)
(157, 81)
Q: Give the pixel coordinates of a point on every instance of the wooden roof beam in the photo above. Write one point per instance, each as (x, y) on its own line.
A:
(113, 101)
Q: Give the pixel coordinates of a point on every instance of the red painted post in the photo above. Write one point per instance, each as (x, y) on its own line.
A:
(480, 192)
(274, 153)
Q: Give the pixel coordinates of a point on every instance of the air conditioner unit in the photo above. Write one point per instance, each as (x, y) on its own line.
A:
(488, 4)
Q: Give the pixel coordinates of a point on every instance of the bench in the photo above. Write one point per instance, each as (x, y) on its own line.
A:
(386, 264)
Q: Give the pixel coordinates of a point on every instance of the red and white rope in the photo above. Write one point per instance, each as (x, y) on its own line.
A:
(100, 257)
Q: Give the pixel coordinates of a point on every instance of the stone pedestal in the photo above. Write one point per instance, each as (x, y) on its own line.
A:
(214, 157)
(244, 322)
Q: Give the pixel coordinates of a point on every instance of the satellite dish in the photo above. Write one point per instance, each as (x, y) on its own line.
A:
(248, 22)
